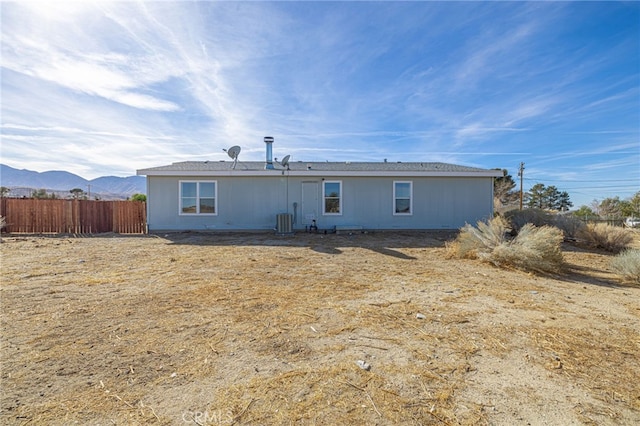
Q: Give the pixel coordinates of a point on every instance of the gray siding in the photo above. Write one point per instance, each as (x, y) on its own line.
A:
(252, 203)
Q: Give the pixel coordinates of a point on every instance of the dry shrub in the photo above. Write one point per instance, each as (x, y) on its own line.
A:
(606, 237)
(627, 265)
(519, 218)
(570, 225)
(481, 239)
(533, 249)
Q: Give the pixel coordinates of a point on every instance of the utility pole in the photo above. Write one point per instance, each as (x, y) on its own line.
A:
(89, 192)
(521, 175)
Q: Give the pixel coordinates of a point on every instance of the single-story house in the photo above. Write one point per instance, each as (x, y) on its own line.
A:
(295, 196)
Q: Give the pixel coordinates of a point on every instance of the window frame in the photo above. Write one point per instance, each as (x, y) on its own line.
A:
(198, 197)
(396, 198)
(324, 198)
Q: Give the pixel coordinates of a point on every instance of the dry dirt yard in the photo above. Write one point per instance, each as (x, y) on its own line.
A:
(256, 329)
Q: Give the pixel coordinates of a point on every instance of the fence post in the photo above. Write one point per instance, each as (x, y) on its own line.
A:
(115, 216)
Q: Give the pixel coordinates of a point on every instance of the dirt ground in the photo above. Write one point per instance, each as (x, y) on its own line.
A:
(220, 329)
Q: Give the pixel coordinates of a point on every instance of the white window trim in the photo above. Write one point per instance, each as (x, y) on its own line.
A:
(324, 213)
(215, 195)
(410, 198)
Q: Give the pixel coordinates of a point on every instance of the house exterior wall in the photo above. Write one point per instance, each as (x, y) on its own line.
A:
(252, 203)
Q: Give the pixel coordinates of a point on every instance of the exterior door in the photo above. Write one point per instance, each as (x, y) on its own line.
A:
(310, 203)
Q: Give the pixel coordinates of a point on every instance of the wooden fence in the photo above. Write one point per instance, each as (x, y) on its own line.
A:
(35, 216)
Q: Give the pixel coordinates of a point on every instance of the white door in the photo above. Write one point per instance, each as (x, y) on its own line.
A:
(310, 204)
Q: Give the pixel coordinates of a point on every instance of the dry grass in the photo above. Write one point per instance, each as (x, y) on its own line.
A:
(598, 362)
(256, 329)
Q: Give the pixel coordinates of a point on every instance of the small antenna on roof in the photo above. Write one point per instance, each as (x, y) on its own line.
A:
(285, 161)
(233, 152)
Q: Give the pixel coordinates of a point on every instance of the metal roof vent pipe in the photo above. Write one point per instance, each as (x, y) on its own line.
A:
(269, 164)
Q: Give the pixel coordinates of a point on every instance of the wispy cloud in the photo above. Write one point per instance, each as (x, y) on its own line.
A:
(117, 86)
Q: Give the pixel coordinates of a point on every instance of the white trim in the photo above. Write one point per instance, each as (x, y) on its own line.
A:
(395, 213)
(324, 212)
(198, 182)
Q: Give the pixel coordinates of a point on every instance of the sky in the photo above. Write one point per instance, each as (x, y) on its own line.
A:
(107, 88)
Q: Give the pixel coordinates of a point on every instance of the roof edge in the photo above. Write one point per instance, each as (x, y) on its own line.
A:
(319, 173)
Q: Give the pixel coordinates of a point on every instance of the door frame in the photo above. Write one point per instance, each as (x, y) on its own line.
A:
(310, 205)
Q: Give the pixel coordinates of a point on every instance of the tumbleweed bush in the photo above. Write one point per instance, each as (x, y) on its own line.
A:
(533, 249)
(472, 241)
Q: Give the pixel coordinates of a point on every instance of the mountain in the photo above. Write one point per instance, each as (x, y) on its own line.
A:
(121, 185)
(24, 182)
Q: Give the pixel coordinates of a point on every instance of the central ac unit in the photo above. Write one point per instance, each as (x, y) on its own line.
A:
(284, 223)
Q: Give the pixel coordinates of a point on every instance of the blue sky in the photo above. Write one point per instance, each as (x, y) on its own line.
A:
(106, 88)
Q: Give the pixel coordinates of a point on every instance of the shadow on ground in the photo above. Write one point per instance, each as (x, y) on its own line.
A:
(387, 243)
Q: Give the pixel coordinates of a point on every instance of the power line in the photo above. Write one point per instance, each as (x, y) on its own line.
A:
(623, 187)
(584, 181)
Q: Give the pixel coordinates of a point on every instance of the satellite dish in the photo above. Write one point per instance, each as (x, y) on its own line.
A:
(233, 152)
(285, 161)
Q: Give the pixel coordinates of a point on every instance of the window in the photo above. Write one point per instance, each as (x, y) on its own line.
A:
(402, 198)
(332, 194)
(198, 197)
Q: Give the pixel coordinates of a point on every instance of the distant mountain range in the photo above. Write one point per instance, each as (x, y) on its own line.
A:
(24, 182)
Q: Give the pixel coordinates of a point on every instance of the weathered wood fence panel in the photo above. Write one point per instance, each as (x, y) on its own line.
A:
(35, 216)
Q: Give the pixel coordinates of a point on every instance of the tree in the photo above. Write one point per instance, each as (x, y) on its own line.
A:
(536, 196)
(631, 206)
(585, 212)
(40, 193)
(503, 190)
(564, 203)
(634, 202)
(548, 198)
(551, 198)
(615, 208)
(78, 194)
(611, 208)
(4, 191)
(139, 197)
